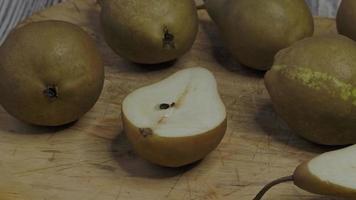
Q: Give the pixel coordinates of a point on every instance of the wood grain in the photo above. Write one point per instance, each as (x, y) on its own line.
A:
(91, 158)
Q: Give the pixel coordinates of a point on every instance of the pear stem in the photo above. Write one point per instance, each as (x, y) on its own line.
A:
(201, 7)
(271, 184)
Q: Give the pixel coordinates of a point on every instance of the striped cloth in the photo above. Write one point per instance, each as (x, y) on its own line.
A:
(13, 11)
(325, 8)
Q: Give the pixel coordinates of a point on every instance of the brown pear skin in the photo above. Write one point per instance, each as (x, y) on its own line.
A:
(346, 19)
(312, 87)
(173, 152)
(51, 73)
(149, 31)
(255, 30)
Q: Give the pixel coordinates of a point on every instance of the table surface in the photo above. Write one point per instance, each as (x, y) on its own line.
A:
(92, 159)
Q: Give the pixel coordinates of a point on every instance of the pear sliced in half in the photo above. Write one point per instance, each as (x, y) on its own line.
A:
(332, 173)
(176, 121)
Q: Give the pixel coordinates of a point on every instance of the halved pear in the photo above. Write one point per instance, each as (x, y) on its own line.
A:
(332, 173)
(176, 121)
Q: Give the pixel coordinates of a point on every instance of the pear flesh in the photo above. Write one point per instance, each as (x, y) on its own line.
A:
(176, 121)
(332, 173)
(343, 160)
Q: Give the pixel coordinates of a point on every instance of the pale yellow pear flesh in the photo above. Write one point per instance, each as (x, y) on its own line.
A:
(332, 173)
(176, 121)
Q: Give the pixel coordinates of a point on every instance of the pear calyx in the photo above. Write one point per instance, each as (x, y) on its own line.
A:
(51, 92)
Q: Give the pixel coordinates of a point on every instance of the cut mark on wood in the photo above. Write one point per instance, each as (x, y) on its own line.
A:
(104, 167)
(174, 185)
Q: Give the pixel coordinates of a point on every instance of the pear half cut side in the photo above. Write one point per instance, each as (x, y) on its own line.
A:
(332, 173)
(176, 121)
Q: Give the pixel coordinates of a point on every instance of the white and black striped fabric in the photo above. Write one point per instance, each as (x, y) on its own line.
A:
(13, 11)
(324, 8)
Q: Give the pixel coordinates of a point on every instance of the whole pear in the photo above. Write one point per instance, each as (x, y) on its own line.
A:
(312, 85)
(149, 31)
(346, 19)
(51, 73)
(255, 30)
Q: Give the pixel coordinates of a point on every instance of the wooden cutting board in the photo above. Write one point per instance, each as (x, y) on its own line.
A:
(91, 159)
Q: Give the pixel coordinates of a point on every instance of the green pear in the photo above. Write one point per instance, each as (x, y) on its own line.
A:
(312, 87)
(149, 31)
(255, 30)
(51, 73)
